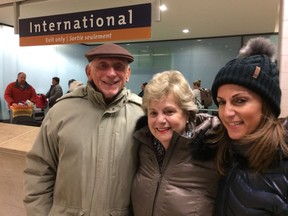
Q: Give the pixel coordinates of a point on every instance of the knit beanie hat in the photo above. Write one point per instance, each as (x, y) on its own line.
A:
(254, 68)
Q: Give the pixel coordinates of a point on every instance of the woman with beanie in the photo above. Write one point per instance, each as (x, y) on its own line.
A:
(177, 175)
(254, 160)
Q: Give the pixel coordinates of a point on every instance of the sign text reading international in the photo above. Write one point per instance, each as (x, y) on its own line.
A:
(122, 23)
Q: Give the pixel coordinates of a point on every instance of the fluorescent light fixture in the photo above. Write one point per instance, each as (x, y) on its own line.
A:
(160, 54)
(149, 54)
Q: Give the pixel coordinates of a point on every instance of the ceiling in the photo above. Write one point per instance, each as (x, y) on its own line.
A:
(204, 18)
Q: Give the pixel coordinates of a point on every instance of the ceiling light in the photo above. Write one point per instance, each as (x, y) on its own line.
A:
(185, 31)
(163, 7)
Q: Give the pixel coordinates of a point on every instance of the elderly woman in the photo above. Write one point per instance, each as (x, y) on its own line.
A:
(254, 159)
(176, 173)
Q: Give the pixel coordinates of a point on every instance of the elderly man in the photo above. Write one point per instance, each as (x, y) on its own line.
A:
(19, 91)
(83, 160)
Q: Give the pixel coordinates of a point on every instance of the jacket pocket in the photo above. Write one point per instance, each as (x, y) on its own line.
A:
(66, 211)
(119, 212)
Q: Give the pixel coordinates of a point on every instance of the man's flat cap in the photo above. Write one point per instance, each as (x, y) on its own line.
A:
(109, 51)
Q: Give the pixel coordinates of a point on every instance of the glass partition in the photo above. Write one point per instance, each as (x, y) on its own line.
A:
(195, 58)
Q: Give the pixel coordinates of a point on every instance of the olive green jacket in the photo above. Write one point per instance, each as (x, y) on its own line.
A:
(84, 159)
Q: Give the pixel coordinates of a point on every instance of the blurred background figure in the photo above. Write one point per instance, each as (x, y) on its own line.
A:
(69, 83)
(19, 91)
(74, 85)
(197, 94)
(142, 89)
(54, 92)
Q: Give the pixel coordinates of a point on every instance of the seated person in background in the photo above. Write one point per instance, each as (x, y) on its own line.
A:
(19, 91)
(54, 92)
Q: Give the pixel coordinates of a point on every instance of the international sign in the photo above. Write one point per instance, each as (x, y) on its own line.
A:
(113, 24)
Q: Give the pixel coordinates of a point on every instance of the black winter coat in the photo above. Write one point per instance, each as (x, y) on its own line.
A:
(243, 192)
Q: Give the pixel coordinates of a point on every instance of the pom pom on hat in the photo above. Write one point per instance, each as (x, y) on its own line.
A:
(258, 46)
(254, 68)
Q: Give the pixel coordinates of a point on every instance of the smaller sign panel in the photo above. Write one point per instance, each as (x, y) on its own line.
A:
(114, 24)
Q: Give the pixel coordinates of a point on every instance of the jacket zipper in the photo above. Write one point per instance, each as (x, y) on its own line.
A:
(162, 172)
(229, 180)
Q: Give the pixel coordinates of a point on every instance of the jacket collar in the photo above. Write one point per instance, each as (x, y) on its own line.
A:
(204, 124)
(26, 85)
(97, 98)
